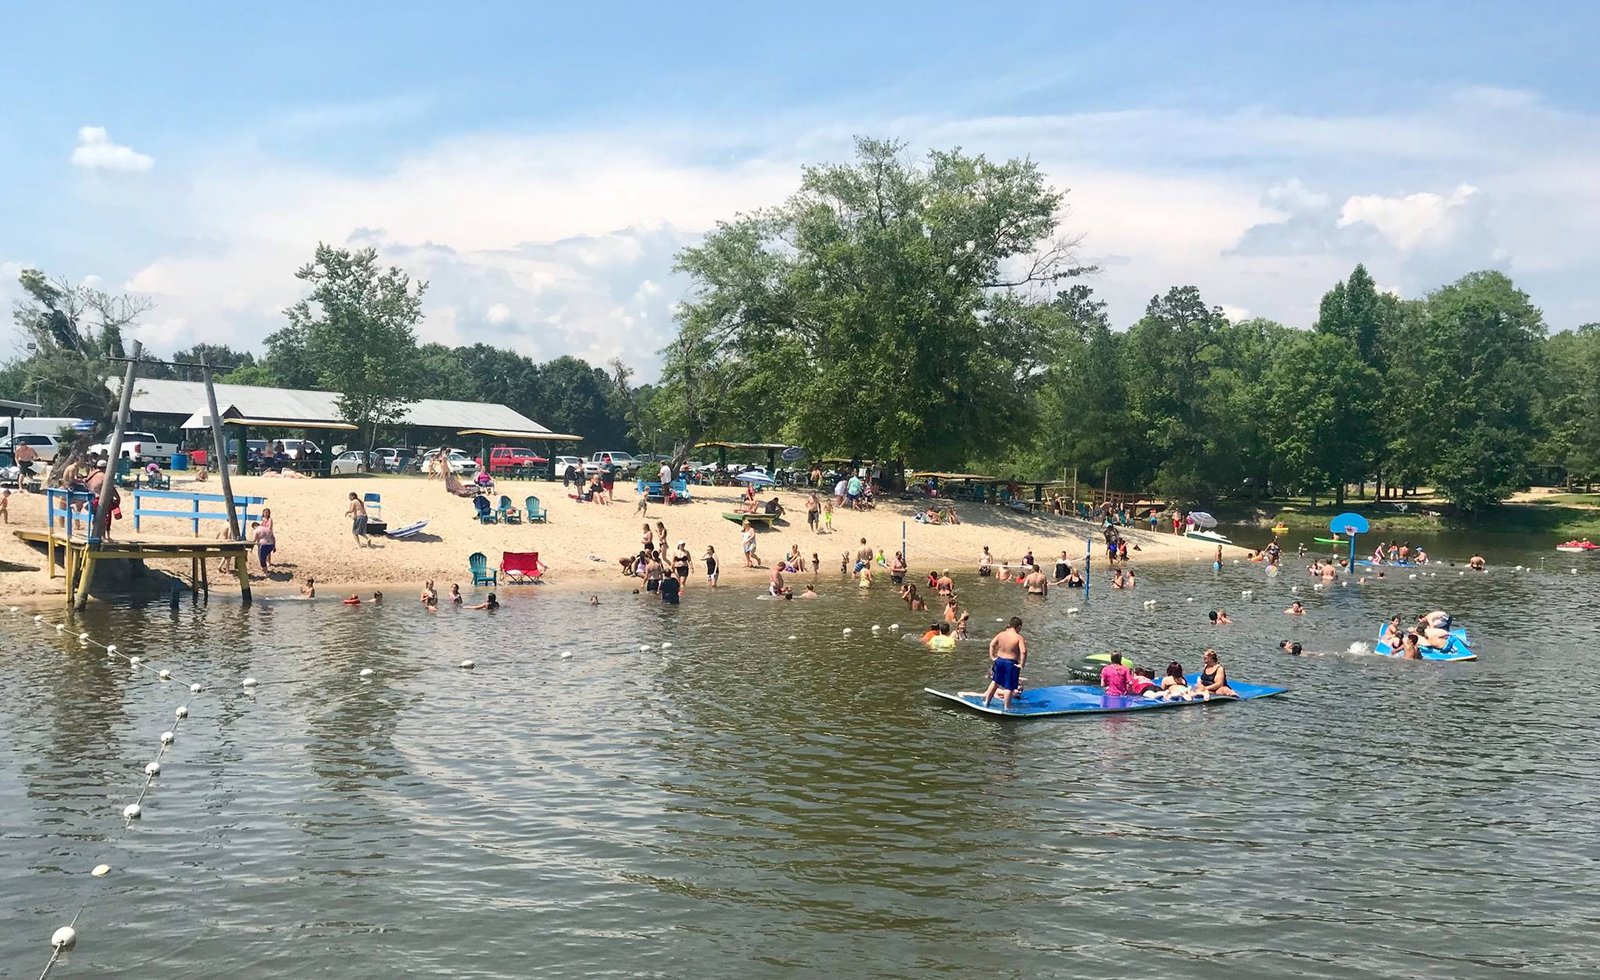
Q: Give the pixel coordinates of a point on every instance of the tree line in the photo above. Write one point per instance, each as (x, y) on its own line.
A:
(932, 313)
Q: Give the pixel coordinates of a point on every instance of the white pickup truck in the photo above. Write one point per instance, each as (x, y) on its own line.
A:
(141, 447)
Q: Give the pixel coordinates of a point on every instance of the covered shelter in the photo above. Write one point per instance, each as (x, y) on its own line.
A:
(772, 449)
(428, 421)
(541, 435)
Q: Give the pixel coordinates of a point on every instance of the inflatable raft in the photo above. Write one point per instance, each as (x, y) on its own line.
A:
(1084, 699)
(1455, 649)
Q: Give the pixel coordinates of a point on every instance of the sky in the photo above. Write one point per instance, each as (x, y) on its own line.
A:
(540, 166)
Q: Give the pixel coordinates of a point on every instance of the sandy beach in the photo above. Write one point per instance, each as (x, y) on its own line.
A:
(582, 542)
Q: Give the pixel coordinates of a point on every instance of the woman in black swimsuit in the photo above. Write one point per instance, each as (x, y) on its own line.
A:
(1214, 678)
(681, 562)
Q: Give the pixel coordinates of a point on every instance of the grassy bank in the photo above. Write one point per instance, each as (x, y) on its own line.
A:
(1559, 515)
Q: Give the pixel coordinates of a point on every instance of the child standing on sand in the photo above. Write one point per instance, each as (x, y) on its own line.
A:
(5, 506)
(827, 517)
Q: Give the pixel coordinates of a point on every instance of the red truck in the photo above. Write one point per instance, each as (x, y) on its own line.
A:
(503, 459)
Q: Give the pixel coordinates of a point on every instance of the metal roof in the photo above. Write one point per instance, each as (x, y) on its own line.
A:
(161, 396)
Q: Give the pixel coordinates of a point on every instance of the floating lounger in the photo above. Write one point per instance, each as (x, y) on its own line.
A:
(738, 518)
(1455, 649)
(1084, 699)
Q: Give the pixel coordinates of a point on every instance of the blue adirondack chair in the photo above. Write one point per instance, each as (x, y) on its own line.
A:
(482, 574)
(506, 513)
(374, 503)
(485, 512)
(535, 511)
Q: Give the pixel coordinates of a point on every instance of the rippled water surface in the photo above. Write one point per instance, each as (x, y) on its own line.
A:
(744, 803)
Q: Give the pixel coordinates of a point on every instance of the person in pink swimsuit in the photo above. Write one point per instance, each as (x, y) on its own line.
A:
(1115, 678)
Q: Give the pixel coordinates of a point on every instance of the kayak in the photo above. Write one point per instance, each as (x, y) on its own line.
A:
(1331, 540)
(1280, 529)
(1578, 547)
(1455, 649)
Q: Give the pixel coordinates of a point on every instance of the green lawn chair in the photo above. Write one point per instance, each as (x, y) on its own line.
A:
(506, 513)
(535, 511)
(124, 474)
(482, 574)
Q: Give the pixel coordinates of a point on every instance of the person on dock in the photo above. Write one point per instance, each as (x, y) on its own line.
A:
(357, 513)
(1008, 652)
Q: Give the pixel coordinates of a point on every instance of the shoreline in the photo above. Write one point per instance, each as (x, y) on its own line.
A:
(582, 542)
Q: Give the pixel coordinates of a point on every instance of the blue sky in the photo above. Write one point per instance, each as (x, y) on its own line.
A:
(541, 165)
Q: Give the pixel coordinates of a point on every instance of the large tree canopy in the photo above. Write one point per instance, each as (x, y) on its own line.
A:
(879, 311)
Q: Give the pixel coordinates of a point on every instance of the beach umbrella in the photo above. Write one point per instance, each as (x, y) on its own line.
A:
(1202, 519)
(756, 479)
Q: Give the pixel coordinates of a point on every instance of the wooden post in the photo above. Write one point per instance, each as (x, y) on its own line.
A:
(221, 449)
(85, 576)
(241, 568)
(102, 514)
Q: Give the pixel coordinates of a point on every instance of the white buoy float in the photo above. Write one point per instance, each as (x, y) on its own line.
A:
(876, 628)
(83, 638)
(111, 648)
(566, 654)
(1294, 590)
(366, 672)
(194, 688)
(847, 631)
(468, 664)
(793, 637)
(152, 769)
(1317, 587)
(131, 811)
(666, 646)
(164, 674)
(101, 870)
(62, 627)
(1412, 576)
(166, 738)
(1072, 611)
(38, 619)
(64, 937)
(249, 682)
(1190, 599)
(135, 661)
(181, 712)
(894, 626)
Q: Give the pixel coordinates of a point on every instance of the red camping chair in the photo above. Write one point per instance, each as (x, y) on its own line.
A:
(521, 566)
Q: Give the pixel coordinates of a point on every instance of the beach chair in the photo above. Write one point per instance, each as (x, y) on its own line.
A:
(680, 491)
(481, 573)
(534, 511)
(521, 567)
(374, 504)
(485, 512)
(505, 513)
(158, 480)
(124, 475)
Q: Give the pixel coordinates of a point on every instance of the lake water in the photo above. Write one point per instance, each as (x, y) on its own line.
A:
(744, 804)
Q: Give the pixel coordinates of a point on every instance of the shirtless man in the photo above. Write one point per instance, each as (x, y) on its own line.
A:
(1036, 583)
(1008, 651)
(863, 556)
(776, 581)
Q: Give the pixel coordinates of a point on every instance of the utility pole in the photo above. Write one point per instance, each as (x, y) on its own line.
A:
(102, 514)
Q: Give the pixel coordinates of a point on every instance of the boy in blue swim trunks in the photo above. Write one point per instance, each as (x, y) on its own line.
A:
(1008, 651)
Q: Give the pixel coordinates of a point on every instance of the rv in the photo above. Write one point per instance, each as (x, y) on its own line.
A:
(38, 426)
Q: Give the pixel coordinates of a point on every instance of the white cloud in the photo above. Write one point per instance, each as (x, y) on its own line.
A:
(95, 151)
(563, 242)
(1412, 221)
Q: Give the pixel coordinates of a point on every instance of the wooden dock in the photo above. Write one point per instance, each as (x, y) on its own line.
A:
(76, 557)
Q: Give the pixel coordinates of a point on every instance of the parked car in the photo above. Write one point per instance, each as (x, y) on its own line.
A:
(503, 458)
(562, 462)
(355, 461)
(141, 447)
(459, 462)
(396, 459)
(297, 448)
(48, 447)
(625, 463)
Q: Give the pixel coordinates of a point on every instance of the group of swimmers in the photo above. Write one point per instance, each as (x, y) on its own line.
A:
(1432, 630)
(430, 598)
(1397, 553)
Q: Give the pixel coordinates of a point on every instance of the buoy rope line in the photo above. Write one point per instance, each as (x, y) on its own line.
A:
(64, 937)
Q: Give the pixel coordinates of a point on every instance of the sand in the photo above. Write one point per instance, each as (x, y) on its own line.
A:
(314, 537)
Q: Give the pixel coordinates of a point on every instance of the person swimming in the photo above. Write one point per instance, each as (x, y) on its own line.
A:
(490, 604)
(1292, 648)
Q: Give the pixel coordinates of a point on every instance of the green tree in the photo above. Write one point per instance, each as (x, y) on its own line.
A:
(359, 328)
(1568, 405)
(1319, 408)
(876, 311)
(72, 330)
(1470, 391)
(1171, 354)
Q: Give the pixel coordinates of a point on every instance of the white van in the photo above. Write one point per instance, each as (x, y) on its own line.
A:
(36, 426)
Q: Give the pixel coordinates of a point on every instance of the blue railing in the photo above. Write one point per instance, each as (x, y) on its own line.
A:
(249, 508)
(73, 506)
